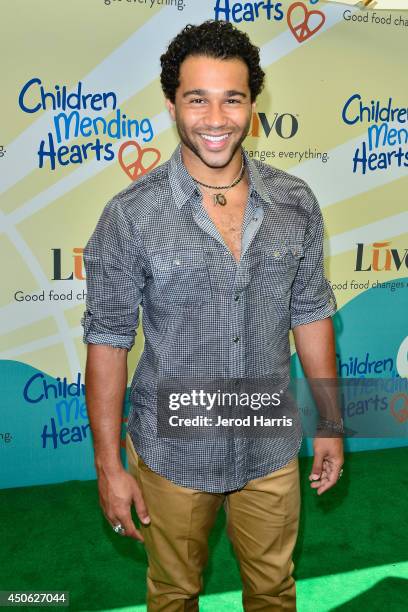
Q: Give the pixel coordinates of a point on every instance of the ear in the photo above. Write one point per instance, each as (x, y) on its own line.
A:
(171, 108)
(253, 106)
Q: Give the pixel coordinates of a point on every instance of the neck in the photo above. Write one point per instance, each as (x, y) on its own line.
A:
(210, 175)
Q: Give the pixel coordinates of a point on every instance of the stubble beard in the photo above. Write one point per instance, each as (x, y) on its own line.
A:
(187, 142)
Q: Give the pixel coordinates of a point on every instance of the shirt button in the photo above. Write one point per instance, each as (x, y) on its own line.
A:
(236, 298)
(254, 218)
(276, 253)
(236, 338)
(176, 262)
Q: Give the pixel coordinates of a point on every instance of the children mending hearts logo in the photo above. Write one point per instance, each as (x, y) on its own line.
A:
(303, 23)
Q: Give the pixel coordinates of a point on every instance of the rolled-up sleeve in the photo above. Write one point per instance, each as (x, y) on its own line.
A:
(312, 296)
(114, 279)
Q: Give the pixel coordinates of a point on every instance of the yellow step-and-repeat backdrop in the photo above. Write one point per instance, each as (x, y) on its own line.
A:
(82, 116)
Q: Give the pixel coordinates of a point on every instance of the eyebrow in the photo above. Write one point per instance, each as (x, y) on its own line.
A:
(202, 92)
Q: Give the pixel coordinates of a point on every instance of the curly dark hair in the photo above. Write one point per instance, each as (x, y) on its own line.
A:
(217, 39)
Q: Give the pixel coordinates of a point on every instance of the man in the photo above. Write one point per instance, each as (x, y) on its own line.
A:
(224, 253)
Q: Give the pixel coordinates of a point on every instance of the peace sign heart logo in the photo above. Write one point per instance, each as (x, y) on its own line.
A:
(142, 160)
(304, 23)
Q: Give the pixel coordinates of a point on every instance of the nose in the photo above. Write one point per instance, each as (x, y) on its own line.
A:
(215, 117)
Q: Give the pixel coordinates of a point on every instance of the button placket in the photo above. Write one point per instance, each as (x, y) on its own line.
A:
(250, 228)
(237, 320)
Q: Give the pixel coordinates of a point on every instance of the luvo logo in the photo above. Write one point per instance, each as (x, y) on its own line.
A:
(77, 268)
(285, 125)
(380, 258)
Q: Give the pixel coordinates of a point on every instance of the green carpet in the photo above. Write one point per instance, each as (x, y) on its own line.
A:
(351, 554)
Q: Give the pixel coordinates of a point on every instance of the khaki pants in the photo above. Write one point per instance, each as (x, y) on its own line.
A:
(262, 524)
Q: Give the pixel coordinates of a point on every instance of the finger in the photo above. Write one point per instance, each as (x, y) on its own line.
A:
(115, 520)
(318, 483)
(324, 487)
(333, 468)
(329, 482)
(317, 467)
(328, 467)
(130, 528)
(323, 475)
(111, 518)
(140, 505)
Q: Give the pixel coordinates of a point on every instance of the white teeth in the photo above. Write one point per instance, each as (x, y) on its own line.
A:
(215, 138)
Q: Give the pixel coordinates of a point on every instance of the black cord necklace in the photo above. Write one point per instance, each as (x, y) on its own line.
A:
(219, 198)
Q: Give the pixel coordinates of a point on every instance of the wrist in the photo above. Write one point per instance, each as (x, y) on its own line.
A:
(330, 427)
(108, 468)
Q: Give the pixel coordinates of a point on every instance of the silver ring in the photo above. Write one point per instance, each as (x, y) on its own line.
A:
(118, 529)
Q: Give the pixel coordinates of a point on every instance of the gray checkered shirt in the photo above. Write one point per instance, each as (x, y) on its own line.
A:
(204, 314)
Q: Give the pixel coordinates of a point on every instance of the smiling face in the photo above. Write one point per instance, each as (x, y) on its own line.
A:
(212, 111)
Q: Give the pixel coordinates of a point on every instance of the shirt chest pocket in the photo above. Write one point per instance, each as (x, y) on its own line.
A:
(181, 276)
(280, 264)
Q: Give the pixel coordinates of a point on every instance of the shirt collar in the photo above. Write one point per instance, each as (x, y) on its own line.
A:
(183, 185)
(256, 183)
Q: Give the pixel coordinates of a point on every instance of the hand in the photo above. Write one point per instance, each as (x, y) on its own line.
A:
(328, 459)
(117, 492)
